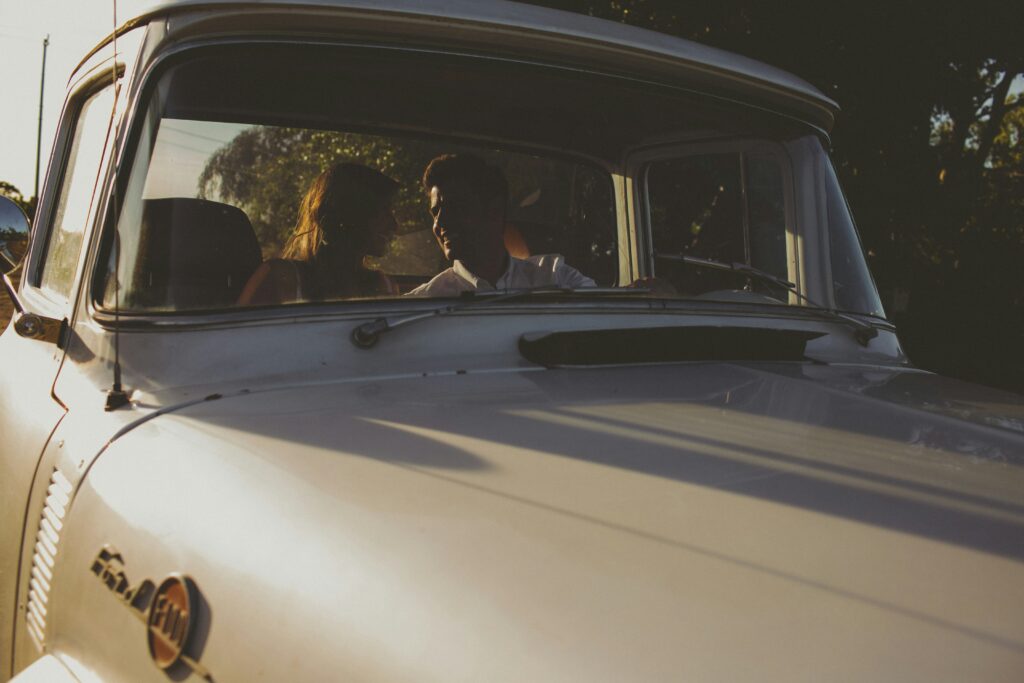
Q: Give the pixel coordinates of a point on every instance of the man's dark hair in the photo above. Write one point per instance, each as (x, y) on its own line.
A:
(486, 180)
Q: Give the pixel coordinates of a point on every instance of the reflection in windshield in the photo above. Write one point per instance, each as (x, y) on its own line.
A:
(214, 208)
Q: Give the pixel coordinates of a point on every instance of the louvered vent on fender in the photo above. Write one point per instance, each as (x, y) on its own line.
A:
(47, 541)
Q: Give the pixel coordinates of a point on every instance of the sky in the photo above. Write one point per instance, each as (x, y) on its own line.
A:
(74, 27)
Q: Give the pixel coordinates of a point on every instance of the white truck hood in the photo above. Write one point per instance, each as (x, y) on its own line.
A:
(688, 522)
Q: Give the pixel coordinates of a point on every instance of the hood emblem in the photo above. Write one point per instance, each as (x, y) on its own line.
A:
(171, 620)
(176, 616)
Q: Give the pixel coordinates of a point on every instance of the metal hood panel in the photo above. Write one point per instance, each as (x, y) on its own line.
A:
(689, 522)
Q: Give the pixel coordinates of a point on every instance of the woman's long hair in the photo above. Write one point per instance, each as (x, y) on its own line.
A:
(337, 210)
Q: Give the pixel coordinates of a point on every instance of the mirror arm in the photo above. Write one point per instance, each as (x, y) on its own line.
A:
(30, 325)
(19, 307)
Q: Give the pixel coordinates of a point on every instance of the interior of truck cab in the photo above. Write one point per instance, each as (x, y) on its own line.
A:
(624, 182)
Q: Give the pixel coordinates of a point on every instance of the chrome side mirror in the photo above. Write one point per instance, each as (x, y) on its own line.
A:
(14, 229)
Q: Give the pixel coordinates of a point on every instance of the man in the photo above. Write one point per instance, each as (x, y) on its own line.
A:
(467, 202)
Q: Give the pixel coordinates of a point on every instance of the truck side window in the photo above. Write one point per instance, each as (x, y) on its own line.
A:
(76, 193)
(723, 206)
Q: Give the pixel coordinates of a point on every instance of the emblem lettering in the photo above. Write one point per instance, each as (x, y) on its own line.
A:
(109, 567)
(169, 611)
(170, 620)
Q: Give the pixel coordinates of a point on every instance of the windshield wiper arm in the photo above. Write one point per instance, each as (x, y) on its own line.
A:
(863, 333)
(366, 335)
(762, 275)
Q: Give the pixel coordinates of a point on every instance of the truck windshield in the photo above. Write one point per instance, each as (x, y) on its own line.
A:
(280, 174)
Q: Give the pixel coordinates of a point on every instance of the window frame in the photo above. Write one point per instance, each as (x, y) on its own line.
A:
(44, 300)
(134, 134)
(827, 174)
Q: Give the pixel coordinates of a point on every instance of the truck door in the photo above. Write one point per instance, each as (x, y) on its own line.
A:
(30, 410)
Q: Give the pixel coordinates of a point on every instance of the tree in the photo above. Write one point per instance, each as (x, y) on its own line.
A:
(11, 192)
(266, 171)
(928, 145)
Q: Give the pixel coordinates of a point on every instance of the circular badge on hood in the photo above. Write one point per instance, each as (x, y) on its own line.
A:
(171, 620)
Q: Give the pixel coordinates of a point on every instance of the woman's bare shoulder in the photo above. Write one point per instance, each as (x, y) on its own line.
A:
(275, 281)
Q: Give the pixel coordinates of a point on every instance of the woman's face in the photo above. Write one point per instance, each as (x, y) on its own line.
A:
(380, 231)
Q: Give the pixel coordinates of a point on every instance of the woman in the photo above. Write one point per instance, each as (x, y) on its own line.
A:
(344, 217)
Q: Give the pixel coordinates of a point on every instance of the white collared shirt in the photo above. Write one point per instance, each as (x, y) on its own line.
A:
(537, 271)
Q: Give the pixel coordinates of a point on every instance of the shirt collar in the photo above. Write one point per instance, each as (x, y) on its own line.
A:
(479, 283)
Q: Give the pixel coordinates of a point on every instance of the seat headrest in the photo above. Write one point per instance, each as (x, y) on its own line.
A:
(193, 253)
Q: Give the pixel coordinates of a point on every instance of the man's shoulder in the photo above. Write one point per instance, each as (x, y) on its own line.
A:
(554, 265)
(548, 262)
(429, 287)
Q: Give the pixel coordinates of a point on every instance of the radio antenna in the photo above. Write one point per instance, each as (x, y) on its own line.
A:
(116, 397)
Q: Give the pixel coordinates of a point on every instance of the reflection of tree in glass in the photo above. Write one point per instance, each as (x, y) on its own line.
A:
(13, 245)
(266, 170)
(13, 242)
(559, 207)
(62, 260)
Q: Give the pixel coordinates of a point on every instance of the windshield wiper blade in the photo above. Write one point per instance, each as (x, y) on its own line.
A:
(366, 335)
(864, 332)
(762, 275)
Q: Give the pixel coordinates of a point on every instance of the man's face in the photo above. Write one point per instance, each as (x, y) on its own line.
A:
(466, 227)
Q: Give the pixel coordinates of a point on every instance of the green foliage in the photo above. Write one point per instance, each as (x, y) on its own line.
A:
(1007, 160)
(928, 146)
(267, 170)
(11, 192)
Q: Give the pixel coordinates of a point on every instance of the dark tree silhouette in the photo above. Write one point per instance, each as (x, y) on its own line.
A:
(928, 145)
(11, 192)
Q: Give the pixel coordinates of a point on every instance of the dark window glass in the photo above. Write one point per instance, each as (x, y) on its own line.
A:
(766, 199)
(726, 207)
(851, 281)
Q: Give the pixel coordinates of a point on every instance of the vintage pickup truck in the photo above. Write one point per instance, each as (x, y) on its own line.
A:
(707, 459)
